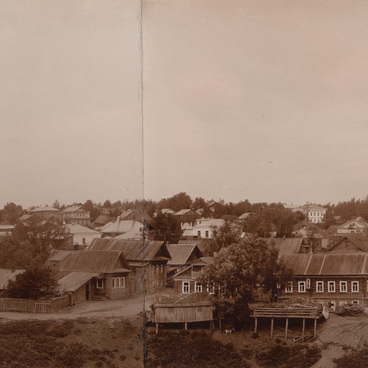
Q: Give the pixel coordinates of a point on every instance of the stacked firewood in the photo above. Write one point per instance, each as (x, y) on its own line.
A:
(350, 310)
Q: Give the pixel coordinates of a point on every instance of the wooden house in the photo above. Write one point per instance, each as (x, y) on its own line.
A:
(76, 215)
(91, 275)
(174, 308)
(182, 255)
(354, 243)
(147, 260)
(120, 227)
(330, 278)
(185, 281)
(356, 226)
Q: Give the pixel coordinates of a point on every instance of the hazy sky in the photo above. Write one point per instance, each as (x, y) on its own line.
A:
(259, 100)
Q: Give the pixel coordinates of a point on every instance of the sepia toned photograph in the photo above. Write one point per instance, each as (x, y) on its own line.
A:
(183, 184)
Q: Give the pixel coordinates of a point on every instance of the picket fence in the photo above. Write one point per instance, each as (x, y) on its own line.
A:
(34, 306)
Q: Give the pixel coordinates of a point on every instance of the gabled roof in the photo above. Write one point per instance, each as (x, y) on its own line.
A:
(6, 275)
(72, 281)
(327, 264)
(203, 261)
(358, 222)
(73, 209)
(181, 253)
(122, 226)
(359, 241)
(244, 216)
(134, 250)
(205, 223)
(89, 261)
(184, 212)
(310, 227)
(79, 229)
(44, 209)
(201, 243)
(103, 219)
(311, 207)
(285, 245)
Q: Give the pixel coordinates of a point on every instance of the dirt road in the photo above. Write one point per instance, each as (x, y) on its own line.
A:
(129, 307)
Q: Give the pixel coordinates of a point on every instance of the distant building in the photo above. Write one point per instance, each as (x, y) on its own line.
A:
(76, 215)
(315, 213)
(356, 226)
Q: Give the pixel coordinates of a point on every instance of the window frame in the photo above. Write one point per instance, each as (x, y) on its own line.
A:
(302, 286)
(353, 284)
(345, 283)
(99, 283)
(329, 288)
(185, 287)
(289, 287)
(318, 284)
(198, 288)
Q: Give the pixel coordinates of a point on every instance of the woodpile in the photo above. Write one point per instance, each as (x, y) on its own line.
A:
(350, 310)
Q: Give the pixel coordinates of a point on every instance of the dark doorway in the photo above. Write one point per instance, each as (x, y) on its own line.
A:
(87, 291)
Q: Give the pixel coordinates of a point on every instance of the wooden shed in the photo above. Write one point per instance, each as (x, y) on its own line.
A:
(176, 308)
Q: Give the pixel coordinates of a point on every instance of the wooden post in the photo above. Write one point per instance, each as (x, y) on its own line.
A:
(271, 328)
(156, 328)
(186, 325)
(315, 328)
(286, 328)
(255, 325)
(212, 326)
(220, 324)
(303, 329)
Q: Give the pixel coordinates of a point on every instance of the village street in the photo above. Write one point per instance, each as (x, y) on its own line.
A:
(129, 307)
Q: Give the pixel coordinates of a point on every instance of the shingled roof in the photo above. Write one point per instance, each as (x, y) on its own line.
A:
(133, 250)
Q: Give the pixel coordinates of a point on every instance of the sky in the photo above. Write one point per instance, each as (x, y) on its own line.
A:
(258, 100)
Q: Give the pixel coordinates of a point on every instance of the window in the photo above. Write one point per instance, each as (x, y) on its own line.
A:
(289, 287)
(185, 287)
(99, 284)
(113, 282)
(355, 286)
(319, 286)
(134, 270)
(343, 286)
(301, 286)
(207, 233)
(331, 287)
(355, 302)
(118, 283)
(161, 269)
(199, 233)
(198, 287)
(211, 289)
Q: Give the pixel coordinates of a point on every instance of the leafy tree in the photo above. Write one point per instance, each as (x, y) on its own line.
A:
(229, 233)
(177, 202)
(273, 218)
(11, 213)
(240, 269)
(165, 228)
(34, 283)
(30, 243)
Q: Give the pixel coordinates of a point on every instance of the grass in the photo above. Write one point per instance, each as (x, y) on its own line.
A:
(355, 359)
(192, 350)
(56, 344)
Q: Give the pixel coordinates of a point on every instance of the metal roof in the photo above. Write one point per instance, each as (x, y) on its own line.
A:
(327, 264)
(133, 250)
(74, 280)
(180, 253)
(90, 261)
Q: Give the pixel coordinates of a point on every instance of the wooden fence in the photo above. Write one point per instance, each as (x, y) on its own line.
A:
(34, 306)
